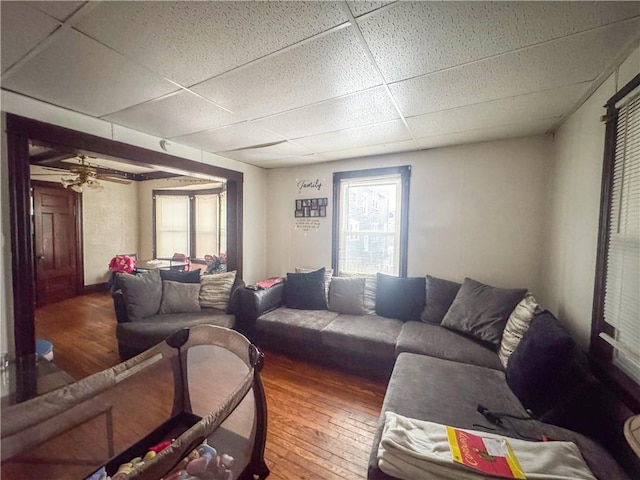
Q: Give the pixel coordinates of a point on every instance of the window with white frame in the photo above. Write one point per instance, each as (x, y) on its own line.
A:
(617, 302)
(193, 223)
(370, 221)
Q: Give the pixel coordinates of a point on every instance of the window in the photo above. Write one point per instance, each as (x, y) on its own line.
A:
(616, 332)
(189, 222)
(370, 221)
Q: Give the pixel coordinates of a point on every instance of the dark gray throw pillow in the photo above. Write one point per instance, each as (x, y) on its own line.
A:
(440, 296)
(346, 295)
(482, 311)
(305, 291)
(142, 293)
(545, 367)
(399, 297)
(192, 276)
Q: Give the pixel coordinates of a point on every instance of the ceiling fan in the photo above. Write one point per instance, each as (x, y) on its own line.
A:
(85, 175)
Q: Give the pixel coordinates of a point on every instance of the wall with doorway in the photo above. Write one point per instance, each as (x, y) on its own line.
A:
(110, 224)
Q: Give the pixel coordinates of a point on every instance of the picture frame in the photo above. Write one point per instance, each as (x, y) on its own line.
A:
(311, 207)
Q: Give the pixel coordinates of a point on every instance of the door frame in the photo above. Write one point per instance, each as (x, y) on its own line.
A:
(77, 207)
(19, 131)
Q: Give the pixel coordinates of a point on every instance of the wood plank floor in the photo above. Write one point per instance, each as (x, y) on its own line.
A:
(321, 421)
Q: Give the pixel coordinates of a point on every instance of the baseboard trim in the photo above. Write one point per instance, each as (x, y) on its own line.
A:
(95, 288)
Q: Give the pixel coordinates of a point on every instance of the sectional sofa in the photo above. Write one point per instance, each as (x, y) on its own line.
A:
(448, 348)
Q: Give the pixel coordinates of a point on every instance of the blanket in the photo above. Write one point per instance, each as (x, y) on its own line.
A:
(412, 449)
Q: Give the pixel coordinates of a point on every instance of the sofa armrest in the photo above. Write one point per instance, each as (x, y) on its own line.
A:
(119, 306)
(258, 302)
(234, 298)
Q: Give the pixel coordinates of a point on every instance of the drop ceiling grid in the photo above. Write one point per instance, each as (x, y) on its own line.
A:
(204, 39)
(174, 115)
(70, 71)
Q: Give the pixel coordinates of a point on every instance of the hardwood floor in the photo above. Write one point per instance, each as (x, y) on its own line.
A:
(321, 421)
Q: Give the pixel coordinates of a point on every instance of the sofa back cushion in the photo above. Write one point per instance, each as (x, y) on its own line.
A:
(215, 290)
(179, 297)
(440, 296)
(305, 291)
(142, 293)
(482, 311)
(192, 276)
(399, 297)
(542, 369)
(346, 295)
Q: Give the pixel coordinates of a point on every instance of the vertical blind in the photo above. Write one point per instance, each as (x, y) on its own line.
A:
(622, 284)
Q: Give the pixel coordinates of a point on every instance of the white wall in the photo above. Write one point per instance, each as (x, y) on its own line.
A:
(575, 206)
(475, 210)
(254, 210)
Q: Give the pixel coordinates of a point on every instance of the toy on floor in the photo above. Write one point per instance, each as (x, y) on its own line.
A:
(203, 463)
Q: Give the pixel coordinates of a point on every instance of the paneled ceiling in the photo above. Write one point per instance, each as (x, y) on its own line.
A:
(291, 83)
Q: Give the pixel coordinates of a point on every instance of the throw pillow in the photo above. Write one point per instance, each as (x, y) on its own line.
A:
(180, 297)
(516, 327)
(538, 370)
(346, 295)
(369, 291)
(178, 276)
(142, 293)
(305, 291)
(328, 275)
(440, 296)
(399, 297)
(482, 311)
(215, 290)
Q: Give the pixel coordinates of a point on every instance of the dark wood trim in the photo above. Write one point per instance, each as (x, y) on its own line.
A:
(405, 178)
(20, 131)
(600, 352)
(22, 258)
(111, 149)
(624, 91)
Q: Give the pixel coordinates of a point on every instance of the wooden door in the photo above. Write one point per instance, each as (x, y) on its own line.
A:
(56, 243)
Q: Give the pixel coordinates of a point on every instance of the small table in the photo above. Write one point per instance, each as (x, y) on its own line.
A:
(160, 265)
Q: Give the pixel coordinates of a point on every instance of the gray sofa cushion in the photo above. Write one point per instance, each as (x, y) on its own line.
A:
(141, 335)
(142, 293)
(433, 340)
(294, 324)
(482, 310)
(370, 335)
(346, 295)
(447, 392)
(440, 296)
(179, 297)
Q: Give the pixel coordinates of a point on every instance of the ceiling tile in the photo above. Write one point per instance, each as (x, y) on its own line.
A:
(22, 29)
(290, 161)
(382, 149)
(240, 135)
(359, 8)
(562, 62)
(393, 131)
(328, 66)
(415, 38)
(273, 152)
(193, 41)
(78, 73)
(534, 127)
(546, 104)
(362, 108)
(176, 114)
(56, 9)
